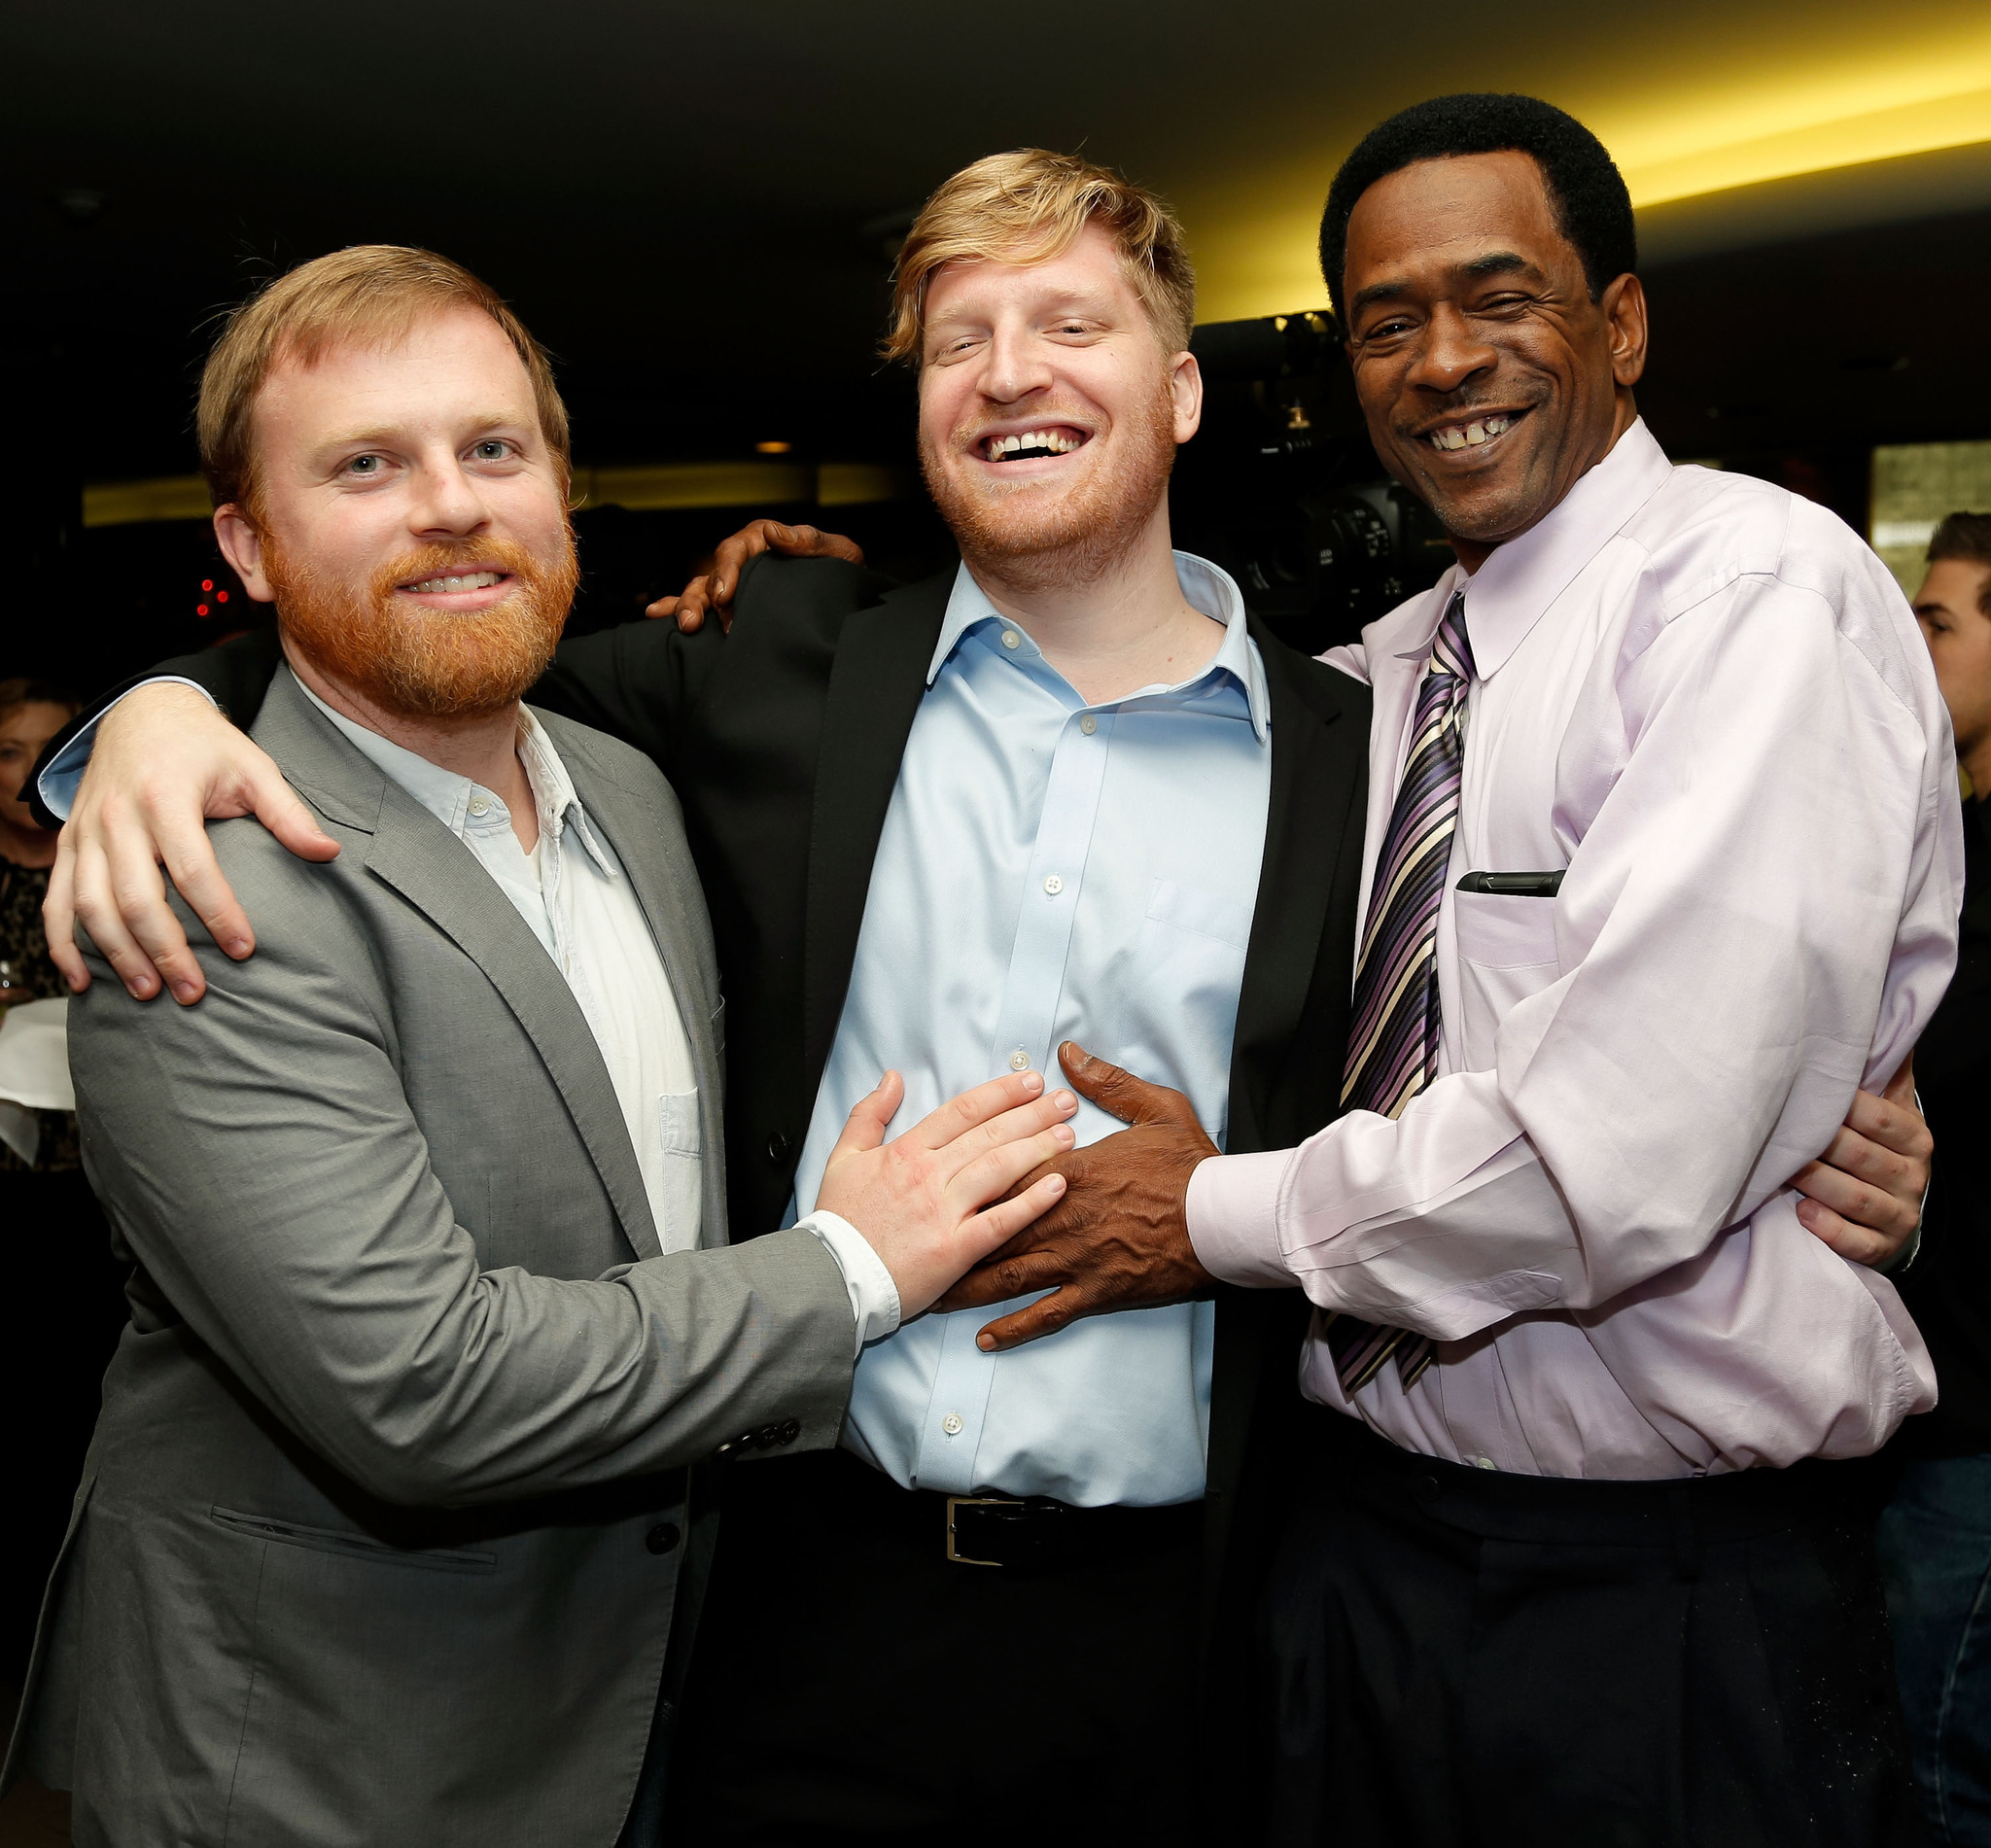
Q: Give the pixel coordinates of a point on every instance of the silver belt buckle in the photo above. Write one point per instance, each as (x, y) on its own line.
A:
(974, 1501)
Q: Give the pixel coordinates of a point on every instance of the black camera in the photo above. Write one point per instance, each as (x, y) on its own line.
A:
(1282, 488)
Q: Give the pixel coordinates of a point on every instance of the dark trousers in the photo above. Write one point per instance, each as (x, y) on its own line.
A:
(851, 1684)
(1936, 1556)
(1467, 1656)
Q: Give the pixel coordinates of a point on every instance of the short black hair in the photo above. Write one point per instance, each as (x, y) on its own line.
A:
(1592, 208)
(1967, 537)
(1962, 535)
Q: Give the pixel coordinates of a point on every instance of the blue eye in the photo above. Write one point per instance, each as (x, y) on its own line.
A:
(492, 449)
(364, 465)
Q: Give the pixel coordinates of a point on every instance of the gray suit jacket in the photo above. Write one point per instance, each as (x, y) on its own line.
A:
(378, 1540)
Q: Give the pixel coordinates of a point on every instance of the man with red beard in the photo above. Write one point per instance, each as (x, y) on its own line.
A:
(957, 824)
(435, 1325)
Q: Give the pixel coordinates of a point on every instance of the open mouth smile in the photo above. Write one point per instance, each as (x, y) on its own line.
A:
(460, 590)
(1473, 433)
(1042, 442)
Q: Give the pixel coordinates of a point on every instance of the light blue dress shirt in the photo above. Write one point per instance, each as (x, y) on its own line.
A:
(1052, 870)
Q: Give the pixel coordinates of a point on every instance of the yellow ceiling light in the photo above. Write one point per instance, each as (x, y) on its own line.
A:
(1692, 133)
(1720, 136)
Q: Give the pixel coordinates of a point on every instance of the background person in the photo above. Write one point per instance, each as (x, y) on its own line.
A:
(1935, 1533)
(52, 1363)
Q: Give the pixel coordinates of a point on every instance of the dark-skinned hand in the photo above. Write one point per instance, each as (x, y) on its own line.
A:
(712, 590)
(1119, 1239)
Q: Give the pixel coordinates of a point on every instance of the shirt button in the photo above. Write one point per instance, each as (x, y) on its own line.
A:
(663, 1537)
(1484, 1463)
(1019, 1060)
(1054, 884)
(952, 1424)
(1088, 724)
(478, 806)
(1011, 640)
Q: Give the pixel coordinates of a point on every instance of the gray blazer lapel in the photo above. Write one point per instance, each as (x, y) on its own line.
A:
(440, 876)
(673, 902)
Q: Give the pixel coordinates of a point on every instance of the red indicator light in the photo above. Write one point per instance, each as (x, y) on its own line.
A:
(220, 596)
(201, 610)
(207, 583)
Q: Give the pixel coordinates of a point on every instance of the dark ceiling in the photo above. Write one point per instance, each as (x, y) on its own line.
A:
(690, 203)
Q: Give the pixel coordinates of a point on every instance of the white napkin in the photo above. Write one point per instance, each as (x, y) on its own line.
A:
(34, 1071)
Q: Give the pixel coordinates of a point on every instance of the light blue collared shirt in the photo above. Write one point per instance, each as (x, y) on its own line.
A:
(1053, 870)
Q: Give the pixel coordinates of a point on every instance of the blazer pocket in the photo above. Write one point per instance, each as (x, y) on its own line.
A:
(350, 1546)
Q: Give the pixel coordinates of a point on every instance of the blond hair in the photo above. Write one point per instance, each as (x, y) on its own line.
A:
(1027, 207)
(373, 294)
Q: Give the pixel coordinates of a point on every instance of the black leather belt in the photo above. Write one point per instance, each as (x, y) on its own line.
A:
(997, 1530)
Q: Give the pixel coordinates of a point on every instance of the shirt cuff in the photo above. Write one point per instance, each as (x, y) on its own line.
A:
(56, 784)
(874, 1296)
(1232, 1214)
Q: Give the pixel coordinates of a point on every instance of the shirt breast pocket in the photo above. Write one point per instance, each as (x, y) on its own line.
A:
(1205, 913)
(683, 1169)
(1506, 952)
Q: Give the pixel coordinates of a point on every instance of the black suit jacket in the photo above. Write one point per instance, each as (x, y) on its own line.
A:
(783, 741)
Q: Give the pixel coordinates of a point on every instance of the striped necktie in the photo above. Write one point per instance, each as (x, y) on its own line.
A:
(1393, 1044)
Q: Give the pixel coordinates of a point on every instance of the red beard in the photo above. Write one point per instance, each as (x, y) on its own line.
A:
(429, 663)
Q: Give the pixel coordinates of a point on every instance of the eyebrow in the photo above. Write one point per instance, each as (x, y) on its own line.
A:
(383, 434)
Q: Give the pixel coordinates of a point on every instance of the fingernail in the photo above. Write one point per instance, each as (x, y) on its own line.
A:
(719, 586)
(140, 991)
(1032, 1081)
(1063, 1132)
(1064, 1100)
(1055, 1183)
(183, 991)
(236, 946)
(986, 1342)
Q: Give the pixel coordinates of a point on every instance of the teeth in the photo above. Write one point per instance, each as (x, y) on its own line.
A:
(1469, 435)
(471, 581)
(1054, 441)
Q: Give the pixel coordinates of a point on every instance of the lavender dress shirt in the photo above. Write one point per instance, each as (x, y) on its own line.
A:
(1707, 701)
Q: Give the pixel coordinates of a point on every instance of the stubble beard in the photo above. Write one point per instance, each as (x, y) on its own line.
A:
(430, 664)
(1036, 535)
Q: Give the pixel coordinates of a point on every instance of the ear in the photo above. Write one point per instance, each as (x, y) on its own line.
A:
(1623, 304)
(241, 542)
(1185, 388)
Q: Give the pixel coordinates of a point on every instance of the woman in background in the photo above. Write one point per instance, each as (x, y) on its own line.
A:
(65, 1295)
